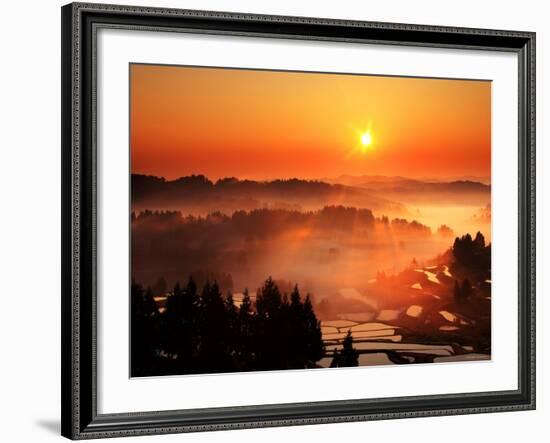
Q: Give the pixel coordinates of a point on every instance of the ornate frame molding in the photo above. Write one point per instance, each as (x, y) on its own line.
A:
(79, 391)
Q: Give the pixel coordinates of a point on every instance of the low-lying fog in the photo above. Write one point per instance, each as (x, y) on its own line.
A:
(318, 235)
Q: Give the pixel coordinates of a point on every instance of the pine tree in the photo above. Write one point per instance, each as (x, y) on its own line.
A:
(233, 328)
(270, 349)
(315, 348)
(296, 333)
(335, 359)
(479, 240)
(268, 300)
(349, 355)
(213, 330)
(180, 326)
(246, 306)
(160, 286)
(144, 333)
(209, 333)
(175, 317)
(244, 340)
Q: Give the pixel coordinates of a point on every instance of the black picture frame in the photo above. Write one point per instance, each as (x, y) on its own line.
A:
(79, 178)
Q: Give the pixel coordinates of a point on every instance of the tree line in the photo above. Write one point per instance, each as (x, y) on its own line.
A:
(201, 331)
(472, 257)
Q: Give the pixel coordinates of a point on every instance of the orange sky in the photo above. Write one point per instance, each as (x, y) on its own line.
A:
(269, 124)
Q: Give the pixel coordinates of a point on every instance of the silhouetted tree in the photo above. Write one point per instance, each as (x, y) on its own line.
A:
(233, 328)
(160, 286)
(463, 248)
(246, 305)
(144, 333)
(270, 349)
(462, 293)
(180, 340)
(335, 363)
(473, 255)
(213, 328)
(349, 355)
(297, 346)
(268, 300)
(223, 280)
(313, 336)
(209, 333)
(479, 241)
(244, 340)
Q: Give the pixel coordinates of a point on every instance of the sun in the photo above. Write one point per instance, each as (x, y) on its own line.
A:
(364, 143)
(366, 139)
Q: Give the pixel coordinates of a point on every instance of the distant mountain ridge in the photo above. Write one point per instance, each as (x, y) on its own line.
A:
(414, 191)
(230, 193)
(397, 181)
(355, 180)
(197, 194)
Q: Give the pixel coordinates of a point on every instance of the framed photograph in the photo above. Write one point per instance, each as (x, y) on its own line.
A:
(273, 221)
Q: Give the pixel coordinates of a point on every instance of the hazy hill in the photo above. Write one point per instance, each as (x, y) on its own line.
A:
(199, 195)
(407, 190)
(334, 246)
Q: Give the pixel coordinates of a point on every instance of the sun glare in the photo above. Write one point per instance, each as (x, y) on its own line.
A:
(366, 139)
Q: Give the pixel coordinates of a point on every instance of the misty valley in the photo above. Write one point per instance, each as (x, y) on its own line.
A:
(242, 275)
